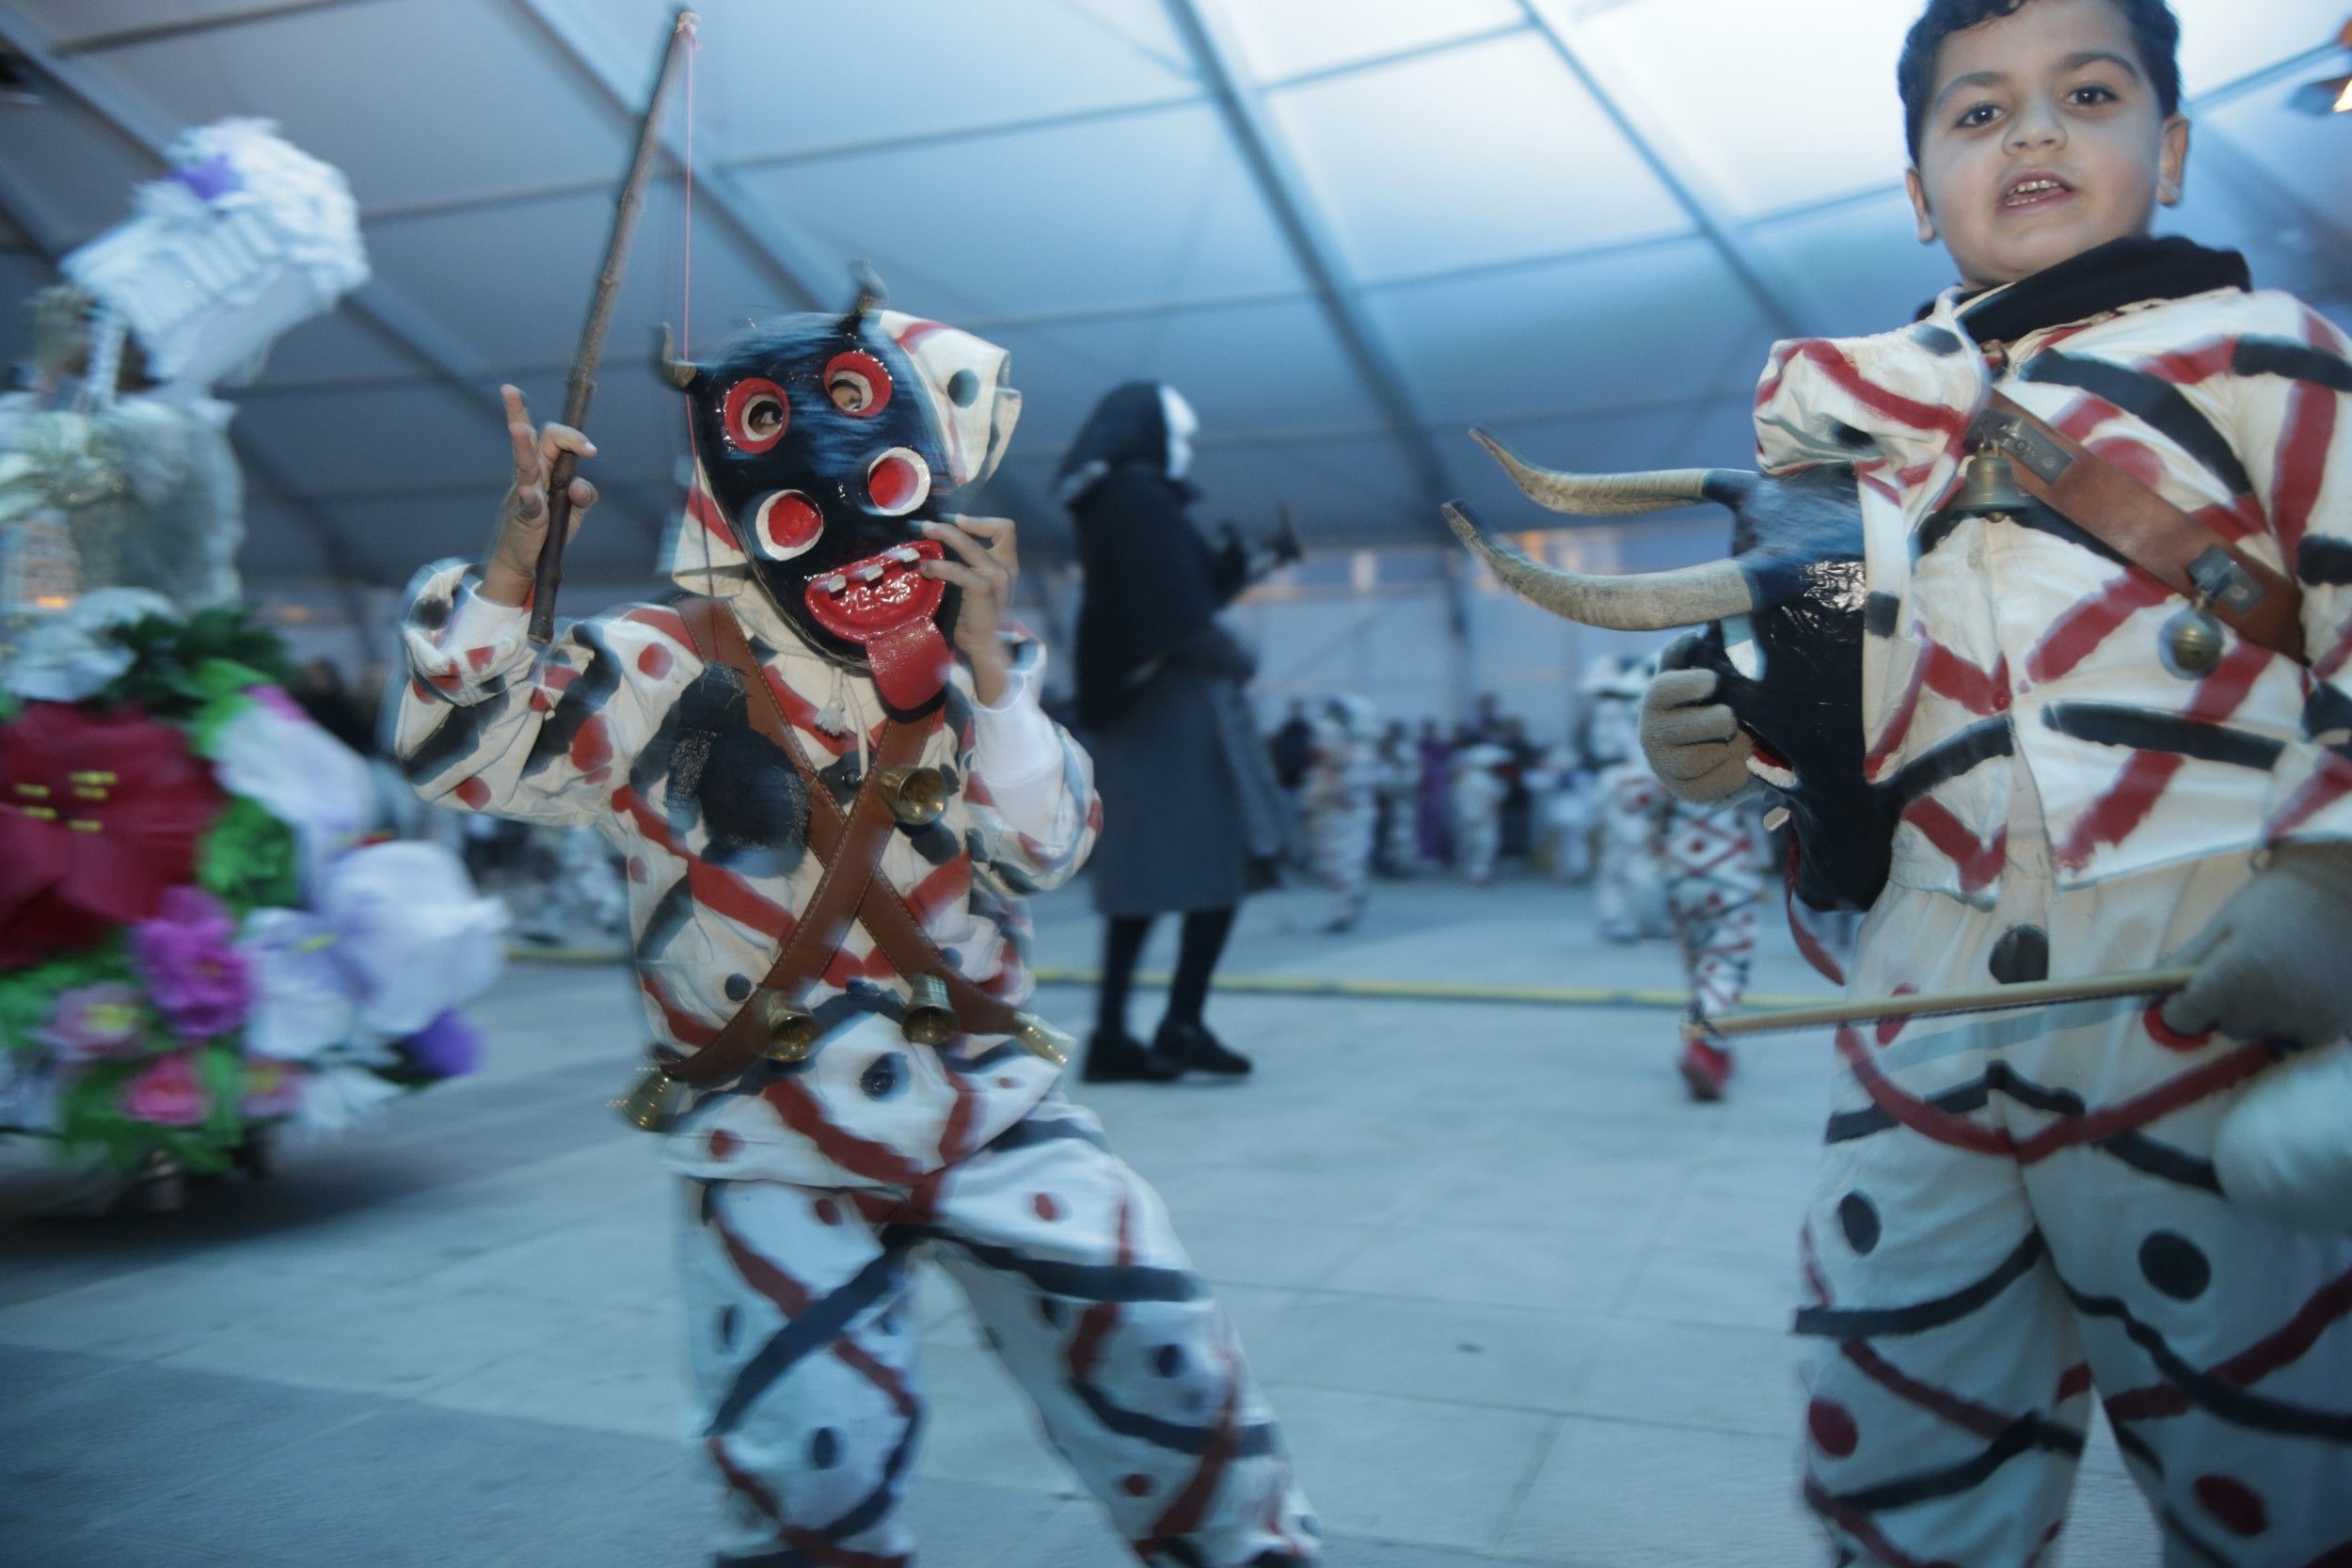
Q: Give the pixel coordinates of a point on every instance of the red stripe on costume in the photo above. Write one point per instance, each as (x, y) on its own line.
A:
(2329, 783)
(792, 1298)
(1864, 1529)
(662, 619)
(1183, 1514)
(705, 510)
(686, 1028)
(1965, 1414)
(2075, 1381)
(944, 887)
(2075, 635)
(2304, 437)
(814, 1545)
(2289, 1344)
(2200, 1083)
(1878, 400)
(1939, 1125)
(801, 714)
(713, 887)
(2186, 367)
(1095, 1325)
(1938, 669)
(797, 1108)
(1978, 860)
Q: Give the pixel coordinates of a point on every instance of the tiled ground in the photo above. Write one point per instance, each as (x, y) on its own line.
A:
(1517, 1301)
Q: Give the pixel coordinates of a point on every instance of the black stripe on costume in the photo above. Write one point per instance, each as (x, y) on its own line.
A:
(671, 913)
(1248, 1442)
(2324, 563)
(2154, 401)
(2327, 710)
(1029, 1131)
(2142, 729)
(827, 1318)
(1846, 1126)
(454, 739)
(2239, 1406)
(2135, 1447)
(876, 1505)
(2135, 1149)
(2023, 1435)
(1946, 760)
(579, 702)
(1863, 1322)
(1077, 1281)
(2291, 362)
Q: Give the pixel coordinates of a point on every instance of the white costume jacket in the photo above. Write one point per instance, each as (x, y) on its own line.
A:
(2000, 643)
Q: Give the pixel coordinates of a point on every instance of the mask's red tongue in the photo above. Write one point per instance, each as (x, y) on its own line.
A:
(909, 664)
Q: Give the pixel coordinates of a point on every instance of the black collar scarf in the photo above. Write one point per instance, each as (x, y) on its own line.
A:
(2129, 271)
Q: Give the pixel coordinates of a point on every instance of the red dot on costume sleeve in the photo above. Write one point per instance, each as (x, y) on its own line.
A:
(474, 793)
(1048, 1207)
(655, 660)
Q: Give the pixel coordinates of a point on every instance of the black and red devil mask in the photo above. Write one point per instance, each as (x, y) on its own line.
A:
(821, 445)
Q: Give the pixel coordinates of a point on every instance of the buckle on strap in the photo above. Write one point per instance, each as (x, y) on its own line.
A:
(2016, 437)
(2222, 581)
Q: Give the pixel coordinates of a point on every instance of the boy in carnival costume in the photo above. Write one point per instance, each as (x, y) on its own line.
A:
(827, 768)
(2019, 1209)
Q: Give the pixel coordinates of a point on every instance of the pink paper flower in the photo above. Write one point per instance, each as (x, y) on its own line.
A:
(169, 1094)
(96, 1022)
(196, 974)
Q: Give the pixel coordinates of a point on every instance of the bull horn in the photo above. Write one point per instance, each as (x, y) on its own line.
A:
(1651, 601)
(870, 295)
(1613, 495)
(677, 373)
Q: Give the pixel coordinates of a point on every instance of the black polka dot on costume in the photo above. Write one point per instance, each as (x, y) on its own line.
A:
(962, 387)
(881, 1077)
(739, 987)
(824, 1448)
(2174, 1265)
(728, 1320)
(1050, 1309)
(1859, 1218)
(1169, 1360)
(2021, 956)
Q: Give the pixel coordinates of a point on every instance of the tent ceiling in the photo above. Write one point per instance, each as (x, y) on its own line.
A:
(1592, 266)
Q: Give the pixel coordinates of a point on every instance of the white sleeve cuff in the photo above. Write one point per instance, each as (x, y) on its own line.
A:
(480, 624)
(1013, 743)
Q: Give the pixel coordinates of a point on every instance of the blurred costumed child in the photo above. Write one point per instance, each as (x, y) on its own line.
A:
(1339, 796)
(824, 763)
(1475, 793)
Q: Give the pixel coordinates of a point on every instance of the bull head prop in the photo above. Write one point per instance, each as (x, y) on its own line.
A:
(824, 447)
(1782, 623)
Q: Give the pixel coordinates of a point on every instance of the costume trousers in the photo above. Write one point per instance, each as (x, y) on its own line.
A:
(2017, 1212)
(804, 1355)
(1714, 881)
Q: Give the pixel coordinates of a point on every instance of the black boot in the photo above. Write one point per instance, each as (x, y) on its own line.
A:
(1120, 1058)
(1193, 1045)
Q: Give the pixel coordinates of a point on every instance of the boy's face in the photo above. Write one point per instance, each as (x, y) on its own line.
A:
(2043, 140)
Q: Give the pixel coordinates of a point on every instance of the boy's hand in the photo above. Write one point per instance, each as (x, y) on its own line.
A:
(985, 562)
(1695, 747)
(2270, 963)
(506, 577)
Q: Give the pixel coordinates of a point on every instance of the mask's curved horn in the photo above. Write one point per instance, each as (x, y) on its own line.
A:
(1652, 601)
(1614, 495)
(870, 295)
(677, 373)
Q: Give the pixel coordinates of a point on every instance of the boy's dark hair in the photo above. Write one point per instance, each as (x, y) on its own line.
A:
(2155, 33)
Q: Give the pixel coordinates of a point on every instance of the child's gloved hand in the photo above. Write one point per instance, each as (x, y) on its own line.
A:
(506, 577)
(1695, 747)
(2272, 961)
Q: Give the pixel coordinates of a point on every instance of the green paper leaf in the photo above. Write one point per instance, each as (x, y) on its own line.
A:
(248, 859)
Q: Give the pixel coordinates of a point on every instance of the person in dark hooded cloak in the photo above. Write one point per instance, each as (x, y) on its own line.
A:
(1192, 815)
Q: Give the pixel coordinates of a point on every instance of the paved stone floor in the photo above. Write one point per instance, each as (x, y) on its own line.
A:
(1517, 1301)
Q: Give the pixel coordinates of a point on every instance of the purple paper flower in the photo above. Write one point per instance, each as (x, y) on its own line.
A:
(169, 1094)
(448, 1047)
(212, 179)
(96, 1022)
(274, 699)
(197, 978)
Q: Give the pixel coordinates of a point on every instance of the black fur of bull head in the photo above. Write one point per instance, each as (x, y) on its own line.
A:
(821, 451)
(1783, 625)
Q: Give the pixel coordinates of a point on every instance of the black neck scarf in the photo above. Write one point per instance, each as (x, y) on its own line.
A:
(2106, 278)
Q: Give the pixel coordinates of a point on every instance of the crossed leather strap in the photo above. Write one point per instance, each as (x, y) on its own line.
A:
(852, 890)
(2256, 601)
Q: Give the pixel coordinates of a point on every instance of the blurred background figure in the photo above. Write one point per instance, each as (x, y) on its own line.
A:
(1291, 747)
(1630, 899)
(1340, 805)
(1481, 782)
(1709, 857)
(333, 708)
(1563, 796)
(1192, 813)
(1434, 812)
(1397, 765)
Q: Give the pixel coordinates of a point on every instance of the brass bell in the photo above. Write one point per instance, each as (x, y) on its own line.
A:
(1042, 1039)
(2192, 643)
(918, 796)
(1988, 483)
(931, 1013)
(791, 1029)
(654, 1102)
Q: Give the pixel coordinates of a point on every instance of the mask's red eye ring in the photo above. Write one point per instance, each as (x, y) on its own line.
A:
(757, 414)
(857, 382)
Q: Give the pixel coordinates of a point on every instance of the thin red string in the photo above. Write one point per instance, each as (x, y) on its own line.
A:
(686, 309)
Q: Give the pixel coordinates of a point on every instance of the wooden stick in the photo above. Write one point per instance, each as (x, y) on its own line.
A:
(582, 386)
(2032, 993)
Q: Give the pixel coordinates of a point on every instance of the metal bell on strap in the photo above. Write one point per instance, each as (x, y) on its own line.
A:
(791, 1030)
(1040, 1038)
(654, 1102)
(1988, 483)
(931, 1018)
(918, 796)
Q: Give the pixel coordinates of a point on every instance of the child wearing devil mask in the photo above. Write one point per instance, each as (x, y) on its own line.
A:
(826, 767)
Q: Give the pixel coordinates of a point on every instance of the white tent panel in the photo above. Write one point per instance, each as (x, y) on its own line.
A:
(638, 420)
(1489, 153)
(1293, 37)
(414, 101)
(1244, 368)
(1860, 265)
(72, 175)
(1140, 209)
(2224, 39)
(332, 348)
(71, 22)
(1779, 105)
(1660, 321)
(378, 439)
(1348, 488)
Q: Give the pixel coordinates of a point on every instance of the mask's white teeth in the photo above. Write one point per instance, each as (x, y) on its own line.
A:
(836, 583)
(906, 553)
(870, 572)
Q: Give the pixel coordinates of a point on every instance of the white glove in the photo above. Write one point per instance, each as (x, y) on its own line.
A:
(1694, 746)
